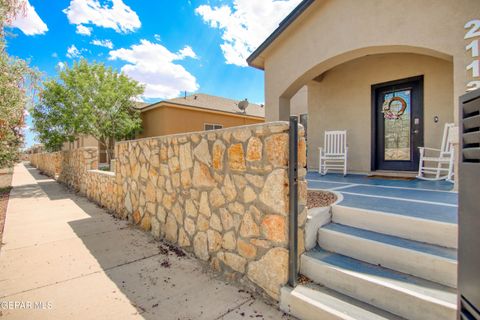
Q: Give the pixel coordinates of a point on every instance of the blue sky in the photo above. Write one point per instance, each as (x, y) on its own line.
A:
(171, 46)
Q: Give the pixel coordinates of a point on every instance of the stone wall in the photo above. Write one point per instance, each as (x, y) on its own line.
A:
(78, 169)
(221, 195)
(48, 163)
(70, 167)
(101, 189)
(75, 166)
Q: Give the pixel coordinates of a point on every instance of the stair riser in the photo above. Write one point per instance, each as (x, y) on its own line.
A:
(429, 231)
(303, 308)
(419, 264)
(376, 294)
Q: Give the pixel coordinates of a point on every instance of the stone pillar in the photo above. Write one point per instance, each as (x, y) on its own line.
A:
(113, 163)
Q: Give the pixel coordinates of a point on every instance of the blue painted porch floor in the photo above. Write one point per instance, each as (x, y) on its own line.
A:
(433, 200)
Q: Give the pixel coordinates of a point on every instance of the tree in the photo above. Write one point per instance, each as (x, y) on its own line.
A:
(9, 10)
(87, 99)
(16, 82)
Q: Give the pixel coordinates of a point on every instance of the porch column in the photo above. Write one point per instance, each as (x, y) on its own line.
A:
(283, 109)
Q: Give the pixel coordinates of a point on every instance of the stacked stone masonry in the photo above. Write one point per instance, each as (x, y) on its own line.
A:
(222, 195)
(49, 162)
(76, 165)
(101, 188)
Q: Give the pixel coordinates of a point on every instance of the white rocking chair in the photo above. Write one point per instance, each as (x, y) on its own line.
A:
(333, 155)
(443, 157)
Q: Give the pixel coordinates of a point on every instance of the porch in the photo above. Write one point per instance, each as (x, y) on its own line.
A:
(418, 198)
(385, 250)
(420, 210)
(391, 105)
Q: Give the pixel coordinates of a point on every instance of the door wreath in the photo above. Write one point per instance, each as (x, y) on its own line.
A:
(390, 114)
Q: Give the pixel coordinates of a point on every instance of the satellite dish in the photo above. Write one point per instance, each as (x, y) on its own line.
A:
(242, 105)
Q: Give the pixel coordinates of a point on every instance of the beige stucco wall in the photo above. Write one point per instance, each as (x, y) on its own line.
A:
(299, 102)
(86, 141)
(342, 100)
(171, 120)
(332, 32)
(81, 142)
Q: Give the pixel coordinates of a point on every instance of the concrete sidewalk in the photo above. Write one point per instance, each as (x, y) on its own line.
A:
(78, 262)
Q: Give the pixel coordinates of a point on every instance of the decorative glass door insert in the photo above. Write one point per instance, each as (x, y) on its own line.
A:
(396, 110)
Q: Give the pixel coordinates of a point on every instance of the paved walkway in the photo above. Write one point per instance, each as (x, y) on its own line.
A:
(81, 263)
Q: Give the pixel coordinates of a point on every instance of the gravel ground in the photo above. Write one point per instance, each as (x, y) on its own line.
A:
(320, 198)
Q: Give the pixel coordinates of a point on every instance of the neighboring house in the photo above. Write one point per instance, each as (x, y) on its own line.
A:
(84, 142)
(196, 112)
(36, 148)
(345, 59)
(89, 141)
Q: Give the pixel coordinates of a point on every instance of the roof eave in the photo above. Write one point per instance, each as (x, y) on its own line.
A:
(167, 103)
(151, 106)
(252, 59)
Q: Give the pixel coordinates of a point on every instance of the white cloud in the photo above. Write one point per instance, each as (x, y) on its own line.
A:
(30, 22)
(117, 16)
(137, 99)
(84, 31)
(154, 65)
(157, 37)
(187, 52)
(245, 26)
(60, 65)
(73, 52)
(103, 43)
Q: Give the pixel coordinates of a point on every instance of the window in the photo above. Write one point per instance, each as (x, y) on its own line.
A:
(210, 126)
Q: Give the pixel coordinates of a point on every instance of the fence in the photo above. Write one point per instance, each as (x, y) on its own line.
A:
(222, 195)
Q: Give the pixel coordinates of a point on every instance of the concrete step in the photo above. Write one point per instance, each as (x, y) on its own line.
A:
(434, 263)
(313, 302)
(412, 226)
(444, 212)
(401, 294)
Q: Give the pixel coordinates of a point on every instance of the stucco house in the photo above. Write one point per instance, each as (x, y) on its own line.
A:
(190, 113)
(196, 112)
(85, 141)
(346, 58)
(390, 73)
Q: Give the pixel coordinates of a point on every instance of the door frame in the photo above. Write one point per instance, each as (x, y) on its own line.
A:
(373, 122)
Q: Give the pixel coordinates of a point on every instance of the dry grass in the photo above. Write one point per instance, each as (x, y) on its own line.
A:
(4, 194)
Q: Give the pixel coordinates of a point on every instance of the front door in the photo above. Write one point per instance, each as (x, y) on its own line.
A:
(397, 124)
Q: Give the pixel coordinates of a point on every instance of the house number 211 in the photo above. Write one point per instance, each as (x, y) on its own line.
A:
(473, 27)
